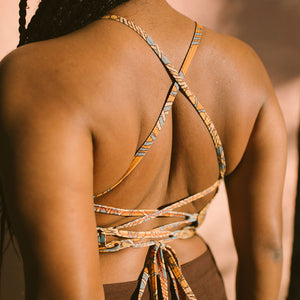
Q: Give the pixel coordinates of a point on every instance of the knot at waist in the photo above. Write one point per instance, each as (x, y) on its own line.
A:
(161, 260)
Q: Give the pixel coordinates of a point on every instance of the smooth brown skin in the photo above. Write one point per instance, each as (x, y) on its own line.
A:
(74, 110)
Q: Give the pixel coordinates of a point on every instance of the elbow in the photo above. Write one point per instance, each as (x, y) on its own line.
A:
(271, 250)
(275, 253)
(270, 243)
(260, 251)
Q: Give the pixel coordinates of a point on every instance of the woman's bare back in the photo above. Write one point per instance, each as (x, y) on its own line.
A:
(79, 107)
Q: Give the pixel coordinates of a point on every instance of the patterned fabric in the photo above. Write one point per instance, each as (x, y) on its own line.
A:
(161, 258)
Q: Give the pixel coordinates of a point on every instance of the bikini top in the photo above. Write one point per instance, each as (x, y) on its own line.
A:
(161, 258)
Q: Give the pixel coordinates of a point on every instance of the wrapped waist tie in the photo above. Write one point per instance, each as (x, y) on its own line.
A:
(161, 259)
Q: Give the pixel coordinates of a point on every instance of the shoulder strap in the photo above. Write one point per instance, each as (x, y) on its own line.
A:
(179, 83)
(141, 152)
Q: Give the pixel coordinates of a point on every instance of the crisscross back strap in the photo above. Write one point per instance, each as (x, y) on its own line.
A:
(161, 258)
(178, 83)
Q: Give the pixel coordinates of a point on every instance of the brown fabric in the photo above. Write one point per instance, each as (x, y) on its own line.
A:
(201, 273)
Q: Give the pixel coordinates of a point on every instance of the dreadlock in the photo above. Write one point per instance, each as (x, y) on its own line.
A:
(22, 19)
(55, 18)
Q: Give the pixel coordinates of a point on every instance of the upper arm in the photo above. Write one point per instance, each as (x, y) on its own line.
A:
(255, 187)
(47, 174)
(255, 200)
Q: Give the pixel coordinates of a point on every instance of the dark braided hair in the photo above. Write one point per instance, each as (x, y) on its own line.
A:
(55, 18)
(22, 19)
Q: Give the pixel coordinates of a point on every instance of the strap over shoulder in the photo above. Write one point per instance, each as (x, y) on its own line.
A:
(178, 84)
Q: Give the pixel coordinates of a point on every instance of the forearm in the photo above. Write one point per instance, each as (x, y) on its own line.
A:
(259, 275)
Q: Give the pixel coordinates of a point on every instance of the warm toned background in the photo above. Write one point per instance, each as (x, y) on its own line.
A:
(272, 28)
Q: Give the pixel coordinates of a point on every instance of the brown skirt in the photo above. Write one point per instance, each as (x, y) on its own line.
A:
(201, 273)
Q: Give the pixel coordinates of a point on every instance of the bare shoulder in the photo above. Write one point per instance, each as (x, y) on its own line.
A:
(238, 65)
(241, 88)
(72, 72)
(37, 78)
(27, 63)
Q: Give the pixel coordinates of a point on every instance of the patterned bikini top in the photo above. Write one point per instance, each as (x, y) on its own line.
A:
(161, 258)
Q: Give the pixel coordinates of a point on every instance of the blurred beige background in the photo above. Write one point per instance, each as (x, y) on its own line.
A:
(272, 28)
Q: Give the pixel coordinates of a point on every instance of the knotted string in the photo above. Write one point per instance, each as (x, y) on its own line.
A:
(160, 260)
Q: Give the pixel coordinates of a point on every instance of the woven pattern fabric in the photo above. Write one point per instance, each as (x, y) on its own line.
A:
(161, 258)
